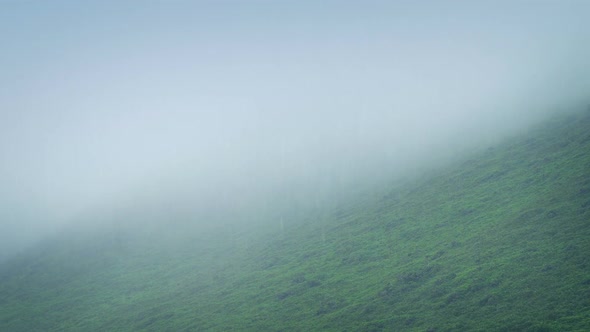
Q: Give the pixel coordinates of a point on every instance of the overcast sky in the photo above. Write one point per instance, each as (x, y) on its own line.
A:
(100, 97)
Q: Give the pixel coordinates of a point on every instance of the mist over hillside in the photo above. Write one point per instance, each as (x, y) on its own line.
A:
(497, 241)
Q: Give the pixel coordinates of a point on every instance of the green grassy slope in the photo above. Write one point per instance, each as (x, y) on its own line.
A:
(500, 242)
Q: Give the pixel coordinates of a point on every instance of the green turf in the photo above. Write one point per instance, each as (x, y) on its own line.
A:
(498, 242)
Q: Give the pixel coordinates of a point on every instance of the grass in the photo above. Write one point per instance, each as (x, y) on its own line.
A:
(498, 242)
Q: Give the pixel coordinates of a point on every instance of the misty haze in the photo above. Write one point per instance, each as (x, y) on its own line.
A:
(294, 165)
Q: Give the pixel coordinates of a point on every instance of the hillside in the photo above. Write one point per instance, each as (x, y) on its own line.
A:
(498, 242)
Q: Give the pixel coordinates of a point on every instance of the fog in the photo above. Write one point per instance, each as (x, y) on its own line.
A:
(188, 106)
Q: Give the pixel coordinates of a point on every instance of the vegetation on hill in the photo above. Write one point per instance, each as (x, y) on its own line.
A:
(499, 242)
